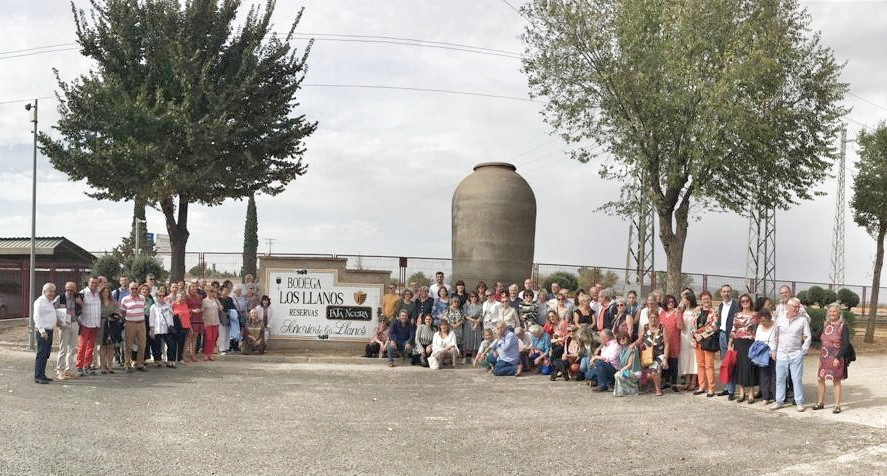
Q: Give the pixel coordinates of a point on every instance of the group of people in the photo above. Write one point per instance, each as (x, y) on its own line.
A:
(171, 324)
(615, 343)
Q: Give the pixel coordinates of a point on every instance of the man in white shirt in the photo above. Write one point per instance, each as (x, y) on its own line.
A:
(45, 320)
(438, 282)
(528, 288)
(793, 337)
(90, 320)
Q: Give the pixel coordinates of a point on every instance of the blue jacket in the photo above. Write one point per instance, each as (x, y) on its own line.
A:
(734, 308)
(402, 333)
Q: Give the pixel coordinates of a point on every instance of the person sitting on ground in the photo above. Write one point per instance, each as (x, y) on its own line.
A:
(628, 375)
(378, 339)
(604, 363)
(507, 352)
(484, 349)
(586, 349)
(540, 343)
(400, 337)
(507, 313)
(424, 338)
(524, 345)
(443, 346)
(568, 363)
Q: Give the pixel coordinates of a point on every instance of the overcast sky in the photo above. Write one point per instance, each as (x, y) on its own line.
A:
(383, 163)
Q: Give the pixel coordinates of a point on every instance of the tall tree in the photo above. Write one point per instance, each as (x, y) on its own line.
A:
(181, 107)
(698, 101)
(250, 237)
(869, 204)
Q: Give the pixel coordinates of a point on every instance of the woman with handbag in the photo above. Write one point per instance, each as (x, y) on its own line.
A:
(766, 335)
(742, 335)
(833, 354)
(210, 312)
(653, 342)
(705, 341)
(162, 327)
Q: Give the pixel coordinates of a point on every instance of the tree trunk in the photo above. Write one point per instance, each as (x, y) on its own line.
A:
(178, 235)
(139, 227)
(250, 237)
(673, 237)
(876, 284)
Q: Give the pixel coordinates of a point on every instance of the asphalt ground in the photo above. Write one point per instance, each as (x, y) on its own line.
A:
(278, 414)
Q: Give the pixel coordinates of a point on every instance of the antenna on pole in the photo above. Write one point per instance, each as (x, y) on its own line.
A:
(270, 242)
(836, 274)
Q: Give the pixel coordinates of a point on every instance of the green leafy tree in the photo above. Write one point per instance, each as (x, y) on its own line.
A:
(250, 237)
(869, 204)
(564, 279)
(816, 295)
(183, 105)
(699, 102)
(108, 266)
(848, 298)
(420, 279)
(138, 267)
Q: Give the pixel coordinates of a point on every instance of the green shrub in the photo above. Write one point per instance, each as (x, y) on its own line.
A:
(817, 320)
(815, 295)
(420, 279)
(137, 267)
(107, 266)
(804, 298)
(828, 297)
(564, 279)
(848, 298)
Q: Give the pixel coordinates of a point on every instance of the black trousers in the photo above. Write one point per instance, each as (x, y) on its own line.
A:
(173, 351)
(44, 347)
(767, 379)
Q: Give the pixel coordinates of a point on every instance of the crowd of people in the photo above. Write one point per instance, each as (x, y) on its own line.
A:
(102, 329)
(617, 343)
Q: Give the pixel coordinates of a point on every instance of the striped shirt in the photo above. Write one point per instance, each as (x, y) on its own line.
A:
(134, 307)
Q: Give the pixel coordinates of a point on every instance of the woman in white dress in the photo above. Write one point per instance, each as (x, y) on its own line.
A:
(687, 357)
(443, 346)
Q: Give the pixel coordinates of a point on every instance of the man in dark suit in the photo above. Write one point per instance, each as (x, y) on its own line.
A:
(726, 310)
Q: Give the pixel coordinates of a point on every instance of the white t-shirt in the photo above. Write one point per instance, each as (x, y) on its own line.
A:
(725, 313)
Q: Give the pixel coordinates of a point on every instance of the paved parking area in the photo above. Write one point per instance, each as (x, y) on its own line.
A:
(270, 415)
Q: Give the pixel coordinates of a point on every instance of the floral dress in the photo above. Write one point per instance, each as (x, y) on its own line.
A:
(453, 316)
(835, 340)
(655, 340)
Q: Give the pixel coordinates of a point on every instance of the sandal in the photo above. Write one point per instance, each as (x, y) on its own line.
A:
(699, 391)
(751, 401)
(658, 393)
(741, 399)
(837, 409)
(818, 406)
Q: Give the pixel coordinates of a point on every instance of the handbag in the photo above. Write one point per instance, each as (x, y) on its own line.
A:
(223, 318)
(725, 374)
(710, 343)
(759, 353)
(647, 357)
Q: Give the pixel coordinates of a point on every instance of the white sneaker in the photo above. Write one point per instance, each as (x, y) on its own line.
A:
(801, 408)
(777, 406)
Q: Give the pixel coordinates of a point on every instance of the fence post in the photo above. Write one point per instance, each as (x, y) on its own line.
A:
(863, 301)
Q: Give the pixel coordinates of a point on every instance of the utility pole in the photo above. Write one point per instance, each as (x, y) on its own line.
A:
(270, 242)
(836, 274)
(32, 268)
(760, 264)
(639, 257)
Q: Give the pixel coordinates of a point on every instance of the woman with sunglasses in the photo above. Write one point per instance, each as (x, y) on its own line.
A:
(745, 324)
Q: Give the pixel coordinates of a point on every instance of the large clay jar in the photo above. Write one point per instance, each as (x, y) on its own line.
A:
(494, 226)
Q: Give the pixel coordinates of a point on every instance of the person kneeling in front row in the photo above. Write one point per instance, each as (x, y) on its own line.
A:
(507, 352)
(400, 337)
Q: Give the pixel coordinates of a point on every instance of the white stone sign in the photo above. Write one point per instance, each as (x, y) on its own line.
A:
(312, 304)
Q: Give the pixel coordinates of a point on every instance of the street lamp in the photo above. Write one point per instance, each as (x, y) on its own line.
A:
(31, 275)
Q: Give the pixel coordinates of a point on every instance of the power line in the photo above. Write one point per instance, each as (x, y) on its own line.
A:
(424, 90)
(13, 101)
(857, 96)
(515, 9)
(37, 48)
(406, 43)
(33, 53)
(415, 40)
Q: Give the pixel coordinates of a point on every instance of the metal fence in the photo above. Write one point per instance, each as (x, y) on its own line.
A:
(224, 265)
